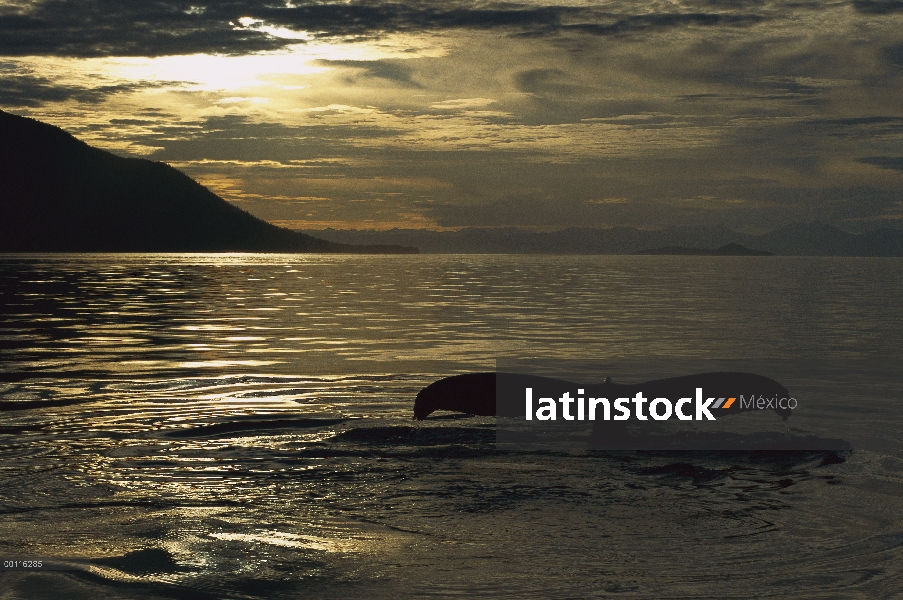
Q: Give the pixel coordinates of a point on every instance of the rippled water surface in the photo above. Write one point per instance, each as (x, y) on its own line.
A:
(240, 426)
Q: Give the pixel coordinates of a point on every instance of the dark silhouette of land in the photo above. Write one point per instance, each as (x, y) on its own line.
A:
(799, 239)
(57, 194)
(726, 250)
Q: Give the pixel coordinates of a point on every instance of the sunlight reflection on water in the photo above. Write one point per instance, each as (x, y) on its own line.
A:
(247, 418)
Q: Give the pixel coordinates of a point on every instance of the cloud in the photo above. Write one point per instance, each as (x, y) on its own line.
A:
(463, 104)
(867, 128)
(112, 28)
(885, 162)
(531, 112)
(155, 27)
(636, 23)
(231, 138)
(34, 91)
(894, 55)
(547, 82)
(90, 28)
(878, 7)
(395, 72)
(762, 208)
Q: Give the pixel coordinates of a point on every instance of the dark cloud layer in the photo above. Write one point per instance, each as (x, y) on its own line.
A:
(154, 28)
(634, 23)
(107, 28)
(878, 7)
(34, 91)
(894, 55)
(236, 138)
(769, 206)
(885, 162)
(395, 72)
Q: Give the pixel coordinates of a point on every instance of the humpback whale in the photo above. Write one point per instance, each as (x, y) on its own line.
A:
(475, 393)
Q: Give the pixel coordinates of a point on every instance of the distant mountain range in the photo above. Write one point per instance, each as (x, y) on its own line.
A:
(725, 250)
(57, 194)
(801, 239)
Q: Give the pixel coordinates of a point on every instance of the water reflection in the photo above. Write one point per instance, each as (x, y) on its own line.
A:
(239, 426)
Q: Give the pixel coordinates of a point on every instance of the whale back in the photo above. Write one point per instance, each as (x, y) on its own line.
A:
(475, 393)
(472, 393)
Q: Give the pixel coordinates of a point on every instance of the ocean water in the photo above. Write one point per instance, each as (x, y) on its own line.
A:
(240, 426)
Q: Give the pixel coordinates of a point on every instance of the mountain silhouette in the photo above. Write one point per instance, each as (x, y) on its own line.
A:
(821, 239)
(726, 250)
(58, 194)
(799, 239)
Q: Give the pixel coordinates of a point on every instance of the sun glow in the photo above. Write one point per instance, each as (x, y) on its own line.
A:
(279, 32)
(217, 73)
(212, 73)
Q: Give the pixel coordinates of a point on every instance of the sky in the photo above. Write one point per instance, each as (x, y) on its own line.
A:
(747, 114)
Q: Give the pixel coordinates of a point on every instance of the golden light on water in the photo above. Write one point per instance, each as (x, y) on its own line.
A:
(240, 425)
